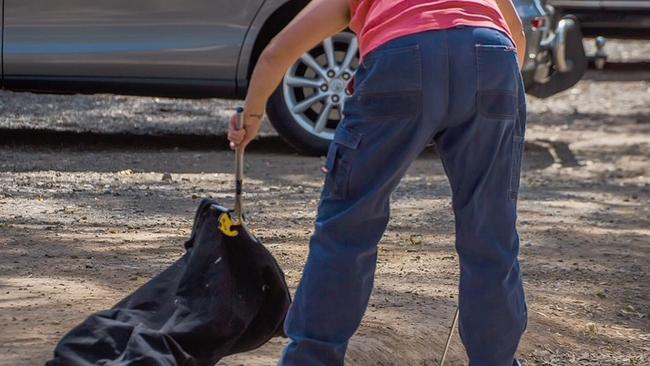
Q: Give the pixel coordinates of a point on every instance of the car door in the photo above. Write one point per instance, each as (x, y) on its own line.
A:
(134, 43)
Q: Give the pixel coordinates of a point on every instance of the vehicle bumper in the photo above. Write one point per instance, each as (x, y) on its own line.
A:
(561, 61)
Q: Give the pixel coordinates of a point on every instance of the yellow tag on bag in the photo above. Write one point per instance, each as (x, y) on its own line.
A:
(225, 225)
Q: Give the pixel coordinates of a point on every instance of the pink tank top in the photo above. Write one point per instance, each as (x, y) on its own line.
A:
(378, 21)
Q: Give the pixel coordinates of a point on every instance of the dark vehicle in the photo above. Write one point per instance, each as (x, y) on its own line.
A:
(207, 48)
(610, 18)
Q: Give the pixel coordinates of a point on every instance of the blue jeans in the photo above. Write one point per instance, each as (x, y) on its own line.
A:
(462, 89)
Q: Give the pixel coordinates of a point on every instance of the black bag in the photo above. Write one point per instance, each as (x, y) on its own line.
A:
(226, 295)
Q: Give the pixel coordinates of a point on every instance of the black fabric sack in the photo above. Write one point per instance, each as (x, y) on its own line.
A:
(226, 295)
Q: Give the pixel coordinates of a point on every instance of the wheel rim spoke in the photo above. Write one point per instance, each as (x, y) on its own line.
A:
(305, 104)
(328, 45)
(308, 89)
(313, 64)
(321, 123)
(350, 54)
(299, 82)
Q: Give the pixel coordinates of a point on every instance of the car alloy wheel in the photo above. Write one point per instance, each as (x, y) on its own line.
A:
(313, 92)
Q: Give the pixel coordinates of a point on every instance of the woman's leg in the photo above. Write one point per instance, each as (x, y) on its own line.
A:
(482, 156)
(384, 129)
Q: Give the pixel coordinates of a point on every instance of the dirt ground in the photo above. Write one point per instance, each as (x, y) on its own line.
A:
(82, 225)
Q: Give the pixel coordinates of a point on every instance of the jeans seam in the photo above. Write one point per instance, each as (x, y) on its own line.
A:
(515, 167)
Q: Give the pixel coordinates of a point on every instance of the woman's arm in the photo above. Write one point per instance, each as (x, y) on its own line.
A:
(514, 23)
(318, 20)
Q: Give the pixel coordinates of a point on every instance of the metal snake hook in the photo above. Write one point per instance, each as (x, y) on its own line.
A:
(451, 332)
(239, 172)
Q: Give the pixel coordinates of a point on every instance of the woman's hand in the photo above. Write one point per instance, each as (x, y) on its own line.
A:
(318, 20)
(240, 138)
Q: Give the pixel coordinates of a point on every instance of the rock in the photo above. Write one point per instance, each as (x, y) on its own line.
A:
(167, 177)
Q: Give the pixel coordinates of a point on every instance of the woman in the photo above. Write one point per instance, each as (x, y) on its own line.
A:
(432, 70)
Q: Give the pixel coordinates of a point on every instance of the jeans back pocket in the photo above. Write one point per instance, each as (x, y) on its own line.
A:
(391, 85)
(497, 81)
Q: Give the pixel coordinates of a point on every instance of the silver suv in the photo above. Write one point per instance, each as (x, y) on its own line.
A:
(207, 48)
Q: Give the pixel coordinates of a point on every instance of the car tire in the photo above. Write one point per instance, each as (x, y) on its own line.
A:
(285, 124)
(308, 105)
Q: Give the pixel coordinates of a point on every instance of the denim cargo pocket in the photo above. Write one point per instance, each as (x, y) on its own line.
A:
(515, 172)
(339, 162)
(497, 81)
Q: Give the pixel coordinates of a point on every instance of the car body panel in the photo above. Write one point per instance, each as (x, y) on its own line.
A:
(247, 48)
(249, 54)
(603, 4)
(595, 4)
(625, 4)
(139, 40)
(612, 18)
